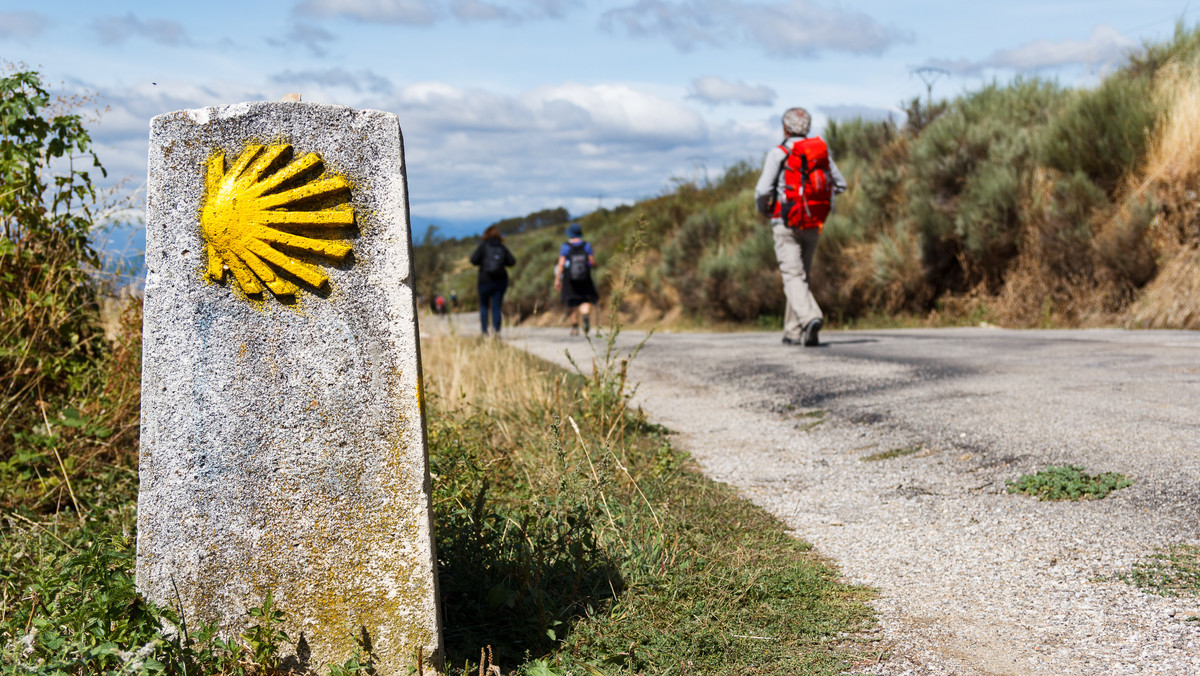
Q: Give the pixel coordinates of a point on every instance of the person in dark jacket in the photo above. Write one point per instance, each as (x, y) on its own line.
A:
(492, 258)
(573, 277)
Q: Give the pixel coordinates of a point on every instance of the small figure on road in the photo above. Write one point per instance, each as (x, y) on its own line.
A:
(493, 259)
(573, 277)
(799, 179)
(454, 300)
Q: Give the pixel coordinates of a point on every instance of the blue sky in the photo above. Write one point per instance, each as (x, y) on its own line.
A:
(510, 106)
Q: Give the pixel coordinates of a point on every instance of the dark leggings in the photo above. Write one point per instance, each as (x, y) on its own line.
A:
(491, 294)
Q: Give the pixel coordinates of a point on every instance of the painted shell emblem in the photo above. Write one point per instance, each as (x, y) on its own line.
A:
(253, 214)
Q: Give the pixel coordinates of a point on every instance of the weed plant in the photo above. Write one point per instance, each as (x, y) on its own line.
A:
(1173, 571)
(892, 454)
(1068, 482)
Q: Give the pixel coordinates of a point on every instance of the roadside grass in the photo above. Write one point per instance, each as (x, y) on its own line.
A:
(573, 539)
(1173, 571)
(806, 420)
(891, 454)
(1068, 482)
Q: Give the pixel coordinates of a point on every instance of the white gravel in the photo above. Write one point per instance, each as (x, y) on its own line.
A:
(971, 580)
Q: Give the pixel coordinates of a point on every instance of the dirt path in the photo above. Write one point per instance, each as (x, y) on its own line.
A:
(972, 580)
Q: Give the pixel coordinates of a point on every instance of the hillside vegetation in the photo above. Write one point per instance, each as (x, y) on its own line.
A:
(1021, 204)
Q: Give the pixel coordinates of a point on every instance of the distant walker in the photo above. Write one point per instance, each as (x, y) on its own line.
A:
(493, 260)
(573, 277)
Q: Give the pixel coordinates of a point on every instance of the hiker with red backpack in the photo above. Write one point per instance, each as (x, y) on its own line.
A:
(796, 189)
(573, 277)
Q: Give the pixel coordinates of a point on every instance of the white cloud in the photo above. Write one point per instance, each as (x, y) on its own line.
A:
(784, 29)
(362, 80)
(477, 10)
(957, 66)
(714, 90)
(550, 9)
(306, 35)
(1105, 46)
(414, 12)
(117, 29)
(21, 25)
(428, 12)
(617, 113)
(852, 111)
(479, 154)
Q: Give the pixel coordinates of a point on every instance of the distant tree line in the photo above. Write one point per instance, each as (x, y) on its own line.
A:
(534, 221)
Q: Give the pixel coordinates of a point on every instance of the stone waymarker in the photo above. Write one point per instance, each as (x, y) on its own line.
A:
(283, 441)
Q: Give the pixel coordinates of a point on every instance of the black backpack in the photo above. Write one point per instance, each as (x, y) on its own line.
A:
(577, 263)
(493, 259)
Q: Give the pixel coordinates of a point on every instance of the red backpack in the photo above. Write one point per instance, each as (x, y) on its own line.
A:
(807, 188)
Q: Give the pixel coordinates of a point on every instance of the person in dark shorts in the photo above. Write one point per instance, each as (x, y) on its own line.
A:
(492, 258)
(573, 277)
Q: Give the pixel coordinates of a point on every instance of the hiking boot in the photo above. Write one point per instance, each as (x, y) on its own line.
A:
(811, 337)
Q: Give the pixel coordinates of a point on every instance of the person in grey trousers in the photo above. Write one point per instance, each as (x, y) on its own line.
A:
(794, 247)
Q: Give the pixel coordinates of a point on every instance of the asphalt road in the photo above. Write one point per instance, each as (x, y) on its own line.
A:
(971, 578)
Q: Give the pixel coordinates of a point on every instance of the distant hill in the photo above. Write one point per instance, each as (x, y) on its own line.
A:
(1024, 204)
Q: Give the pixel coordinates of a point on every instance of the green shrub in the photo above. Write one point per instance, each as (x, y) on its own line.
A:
(1103, 132)
(49, 333)
(744, 283)
(858, 139)
(1063, 226)
(969, 180)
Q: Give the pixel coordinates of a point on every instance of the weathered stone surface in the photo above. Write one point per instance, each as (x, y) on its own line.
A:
(283, 442)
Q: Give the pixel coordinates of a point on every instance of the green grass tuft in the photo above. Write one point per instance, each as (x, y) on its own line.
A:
(894, 453)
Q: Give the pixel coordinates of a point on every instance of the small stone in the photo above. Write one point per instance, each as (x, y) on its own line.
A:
(1170, 612)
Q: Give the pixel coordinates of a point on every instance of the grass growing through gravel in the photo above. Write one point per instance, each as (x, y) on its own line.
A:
(815, 418)
(1174, 571)
(573, 539)
(894, 453)
(1068, 482)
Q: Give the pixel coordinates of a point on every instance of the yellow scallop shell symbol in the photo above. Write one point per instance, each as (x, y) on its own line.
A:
(249, 209)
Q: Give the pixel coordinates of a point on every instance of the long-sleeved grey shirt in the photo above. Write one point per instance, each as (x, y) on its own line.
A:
(769, 189)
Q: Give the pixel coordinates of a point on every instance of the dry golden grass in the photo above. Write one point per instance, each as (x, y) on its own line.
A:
(1175, 151)
(483, 373)
(1172, 177)
(1172, 300)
